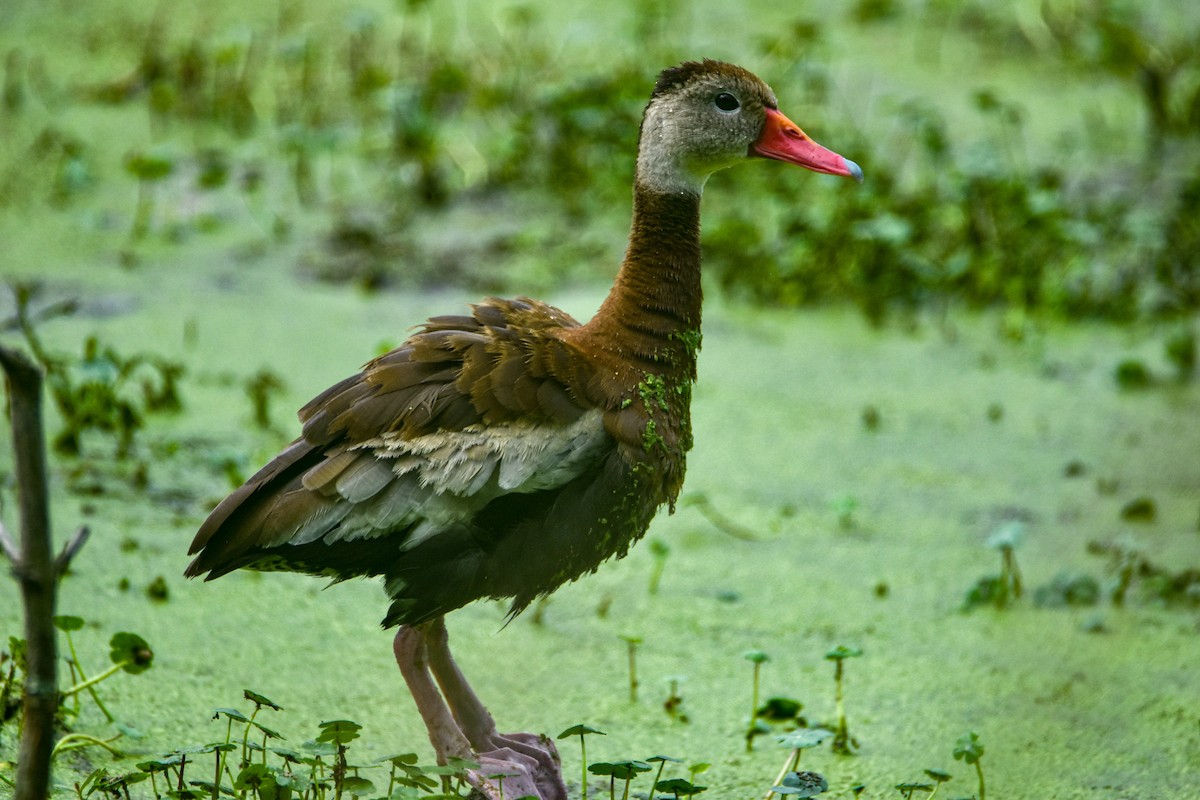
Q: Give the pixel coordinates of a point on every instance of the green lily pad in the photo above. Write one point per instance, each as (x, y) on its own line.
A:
(131, 651)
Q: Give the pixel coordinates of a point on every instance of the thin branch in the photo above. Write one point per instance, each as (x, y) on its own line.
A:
(9, 547)
(70, 549)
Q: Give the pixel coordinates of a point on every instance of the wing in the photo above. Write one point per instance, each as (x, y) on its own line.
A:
(468, 410)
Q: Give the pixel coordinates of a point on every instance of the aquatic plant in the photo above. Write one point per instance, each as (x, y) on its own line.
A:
(757, 658)
(581, 731)
(631, 646)
(797, 742)
(843, 743)
(1000, 590)
(801, 785)
(969, 750)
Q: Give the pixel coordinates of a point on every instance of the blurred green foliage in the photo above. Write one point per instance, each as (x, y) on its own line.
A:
(385, 124)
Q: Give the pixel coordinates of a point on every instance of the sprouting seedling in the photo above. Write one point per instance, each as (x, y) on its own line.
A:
(797, 741)
(673, 705)
(659, 550)
(129, 653)
(802, 785)
(843, 742)
(678, 787)
(908, 789)
(631, 644)
(149, 167)
(969, 749)
(662, 762)
(619, 770)
(1006, 539)
(697, 768)
(581, 731)
(339, 733)
(757, 658)
(939, 777)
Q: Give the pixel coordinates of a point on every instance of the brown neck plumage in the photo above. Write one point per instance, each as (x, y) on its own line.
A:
(650, 321)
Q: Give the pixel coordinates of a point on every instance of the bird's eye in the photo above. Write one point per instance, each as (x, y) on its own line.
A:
(726, 102)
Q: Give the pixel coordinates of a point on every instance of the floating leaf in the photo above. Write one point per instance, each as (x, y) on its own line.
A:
(131, 651)
(67, 623)
(780, 709)
(802, 784)
(804, 738)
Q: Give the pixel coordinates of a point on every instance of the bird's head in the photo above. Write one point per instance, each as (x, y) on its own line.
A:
(708, 115)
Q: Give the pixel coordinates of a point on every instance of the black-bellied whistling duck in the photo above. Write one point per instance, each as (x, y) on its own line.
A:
(502, 453)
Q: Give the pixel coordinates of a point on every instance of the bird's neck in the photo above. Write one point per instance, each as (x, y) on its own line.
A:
(650, 321)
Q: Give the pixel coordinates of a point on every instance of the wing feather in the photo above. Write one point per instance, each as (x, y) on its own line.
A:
(419, 443)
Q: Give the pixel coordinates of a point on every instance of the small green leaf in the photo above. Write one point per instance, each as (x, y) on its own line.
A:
(128, 730)
(679, 787)
(339, 731)
(802, 785)
(665, 758)
(968, 748)
(580, 730)
(938, 775)
(132, 651)
(270, 734)
(356, 785)
(232, 713)
(259, 700)
(67, 623)
(804, 738)
(1008, 536)
(757, 656)
(842, 652)
(622, 770)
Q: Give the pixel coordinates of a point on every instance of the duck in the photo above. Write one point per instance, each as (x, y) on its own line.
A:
(501, 453)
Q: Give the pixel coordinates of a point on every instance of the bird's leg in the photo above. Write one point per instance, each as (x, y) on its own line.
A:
(533, 759)
(412, 656)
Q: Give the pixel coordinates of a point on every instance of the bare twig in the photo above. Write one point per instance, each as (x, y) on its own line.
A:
(70, 549)
(8, 547)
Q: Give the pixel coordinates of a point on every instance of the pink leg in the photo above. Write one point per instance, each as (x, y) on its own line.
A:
(459, 726)
(535, 753)
(413, 659)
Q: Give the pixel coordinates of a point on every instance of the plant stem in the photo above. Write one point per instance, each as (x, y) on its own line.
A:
(93, 681)
(633, 680)
(791, 765)
(753, 707)
(74, 741)
(979, 772)
(583, 755)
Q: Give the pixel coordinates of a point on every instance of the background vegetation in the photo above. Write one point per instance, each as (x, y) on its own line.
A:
(210, 211)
